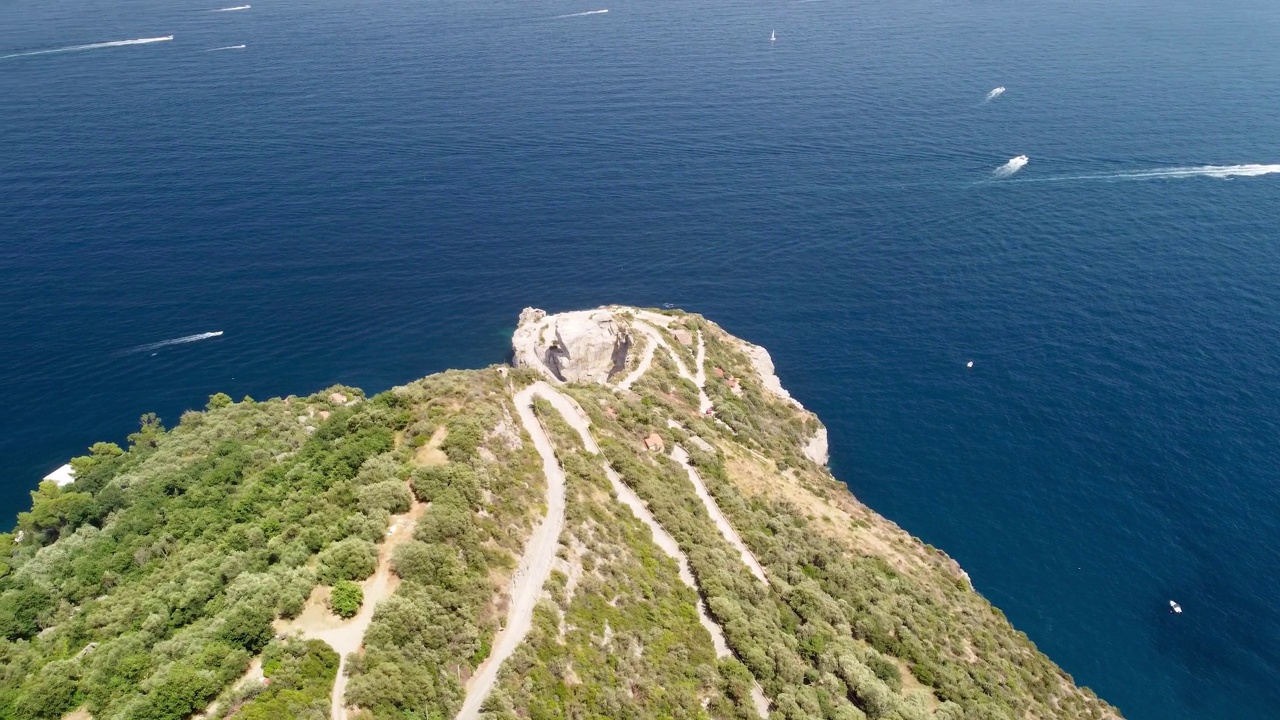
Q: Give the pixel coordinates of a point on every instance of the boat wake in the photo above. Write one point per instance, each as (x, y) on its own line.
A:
(1221, 172)
(93, 46)
(1011, 167)
(582, 14)
(232, 9)
(229, 47)
(995, 93)
(175, 341)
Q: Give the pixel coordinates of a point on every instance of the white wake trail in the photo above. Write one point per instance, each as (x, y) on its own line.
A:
(582, 14)
(1220, 172)
(93, 46)
(229, 47)
(995, 93)
(232, 9)
(1011, 167)
(176, 341)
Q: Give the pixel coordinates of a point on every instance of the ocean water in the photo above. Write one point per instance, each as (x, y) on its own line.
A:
(369, 192)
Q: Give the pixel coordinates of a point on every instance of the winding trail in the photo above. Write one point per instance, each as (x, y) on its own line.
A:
(346, 636)
(655, 338)
(722, 523)
(577, 419)
(535, 565)
(539, 556)
(641, 368)
(698, 378)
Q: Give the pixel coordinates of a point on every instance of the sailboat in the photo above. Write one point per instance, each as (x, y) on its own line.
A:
(773, 36)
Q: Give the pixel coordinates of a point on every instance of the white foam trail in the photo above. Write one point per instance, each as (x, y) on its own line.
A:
(229, 47)
(1011, 167)
(177, 341)
(232, 9)
(995, 93)
(94, 46)
(1221, 172)
(581, 14)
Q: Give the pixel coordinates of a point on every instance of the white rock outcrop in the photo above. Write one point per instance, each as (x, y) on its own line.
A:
(592, 346)
(582, 346)
(816, 449)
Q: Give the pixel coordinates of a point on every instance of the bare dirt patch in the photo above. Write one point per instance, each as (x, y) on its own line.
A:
(430, 453)
(346, 636)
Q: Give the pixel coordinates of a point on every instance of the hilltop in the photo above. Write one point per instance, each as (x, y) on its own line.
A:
(634, 521)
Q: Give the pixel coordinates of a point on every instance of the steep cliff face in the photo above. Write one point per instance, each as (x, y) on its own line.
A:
(589, 346)
(634, 522)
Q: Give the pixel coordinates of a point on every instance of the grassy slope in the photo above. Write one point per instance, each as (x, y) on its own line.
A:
(145, 589)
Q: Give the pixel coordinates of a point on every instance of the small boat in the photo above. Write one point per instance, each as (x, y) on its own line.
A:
(1175, 608)
(773, 36)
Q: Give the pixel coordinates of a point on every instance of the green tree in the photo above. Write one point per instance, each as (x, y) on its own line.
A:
(349, 559)
(56, 510)
(248, 626)
(464, 436)
(389, 495)
(346, 599)
(218, 400)
(20, 611)
(430, 483)
(150, 430)
(51, 693)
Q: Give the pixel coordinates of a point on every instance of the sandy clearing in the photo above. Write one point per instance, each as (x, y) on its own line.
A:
(430, 453)
(540, 553)
(722, 523)
(346, 636)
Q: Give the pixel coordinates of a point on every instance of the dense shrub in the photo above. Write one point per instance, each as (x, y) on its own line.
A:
(464, 436)
(301, 674)
(429, 483)
(350, 559)
(345, 599)
(390, 495)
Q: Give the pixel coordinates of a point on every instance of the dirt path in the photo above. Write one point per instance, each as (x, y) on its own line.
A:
(346, 636)
(722, 523)
(698, 378)
(539, 555)
(252, 676)
(641, 368)
(579, 422)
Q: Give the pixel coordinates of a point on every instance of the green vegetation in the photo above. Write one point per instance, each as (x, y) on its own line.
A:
(299, 675)
(148, 587)
(620, 637)
(439, 623)
(346, 598)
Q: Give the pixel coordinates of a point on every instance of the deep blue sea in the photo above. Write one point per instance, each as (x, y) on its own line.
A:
(370, 191)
